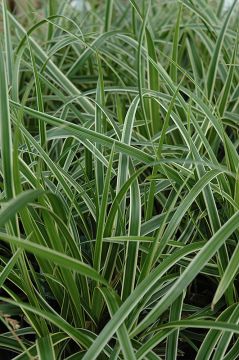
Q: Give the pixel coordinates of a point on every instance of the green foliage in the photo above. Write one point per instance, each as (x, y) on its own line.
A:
(119, 195)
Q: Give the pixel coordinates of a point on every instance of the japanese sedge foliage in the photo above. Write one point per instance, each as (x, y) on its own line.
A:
(119, 181)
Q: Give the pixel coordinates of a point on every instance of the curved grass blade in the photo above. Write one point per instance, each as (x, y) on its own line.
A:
(78, 130)
(78, 335)
(10, 208)
(228, 276)
(213, 336)
(132, 301)
(9, 266)
(200, 260)
(60, 259)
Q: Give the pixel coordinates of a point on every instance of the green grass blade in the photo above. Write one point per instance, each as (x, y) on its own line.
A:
(213, 66)
(133, 300)
(78, 130)
(8, 42)
(131, 252)
(213, 336)
(11, 208)
(40, 105)
(78, 335)
(108, 14)
(173, 68)
(123, 336)
(192, 270)
(59, 258)
(224, 96)
(5, 129)
(9, 266)
(227, 276)
(172, 341)
(102, 215)
(45, 348)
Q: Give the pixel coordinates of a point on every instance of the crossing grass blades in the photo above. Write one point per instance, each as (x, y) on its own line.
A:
(119, 202)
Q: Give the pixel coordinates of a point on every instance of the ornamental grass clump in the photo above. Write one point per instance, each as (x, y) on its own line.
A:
(119, 202)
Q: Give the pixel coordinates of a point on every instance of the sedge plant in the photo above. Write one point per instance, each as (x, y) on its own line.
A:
(119, 191)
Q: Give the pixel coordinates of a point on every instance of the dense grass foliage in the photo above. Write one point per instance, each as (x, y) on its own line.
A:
(119, 202)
